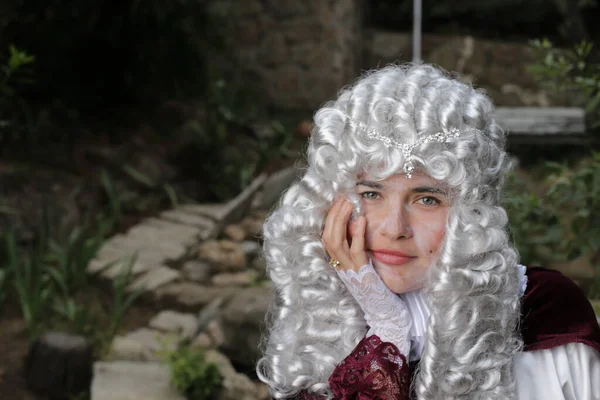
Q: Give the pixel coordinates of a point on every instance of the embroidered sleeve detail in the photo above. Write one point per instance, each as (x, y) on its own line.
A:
(385, 312)
(374, 370)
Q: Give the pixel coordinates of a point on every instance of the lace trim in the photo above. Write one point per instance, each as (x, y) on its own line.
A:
(385, 312)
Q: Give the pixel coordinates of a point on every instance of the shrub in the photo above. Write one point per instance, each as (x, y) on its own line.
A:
(570, 72)
(192, 375)
(561, 222)
(14, 75)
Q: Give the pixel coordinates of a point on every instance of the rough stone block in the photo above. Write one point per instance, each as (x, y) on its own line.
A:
(127, 380)
(197, 271)
(251, 248)
(224, 254)
(120, 267)
(190, 296)
(253, 226)
(203, 341)
(236, 386)
(208, 228)
(182, 324)
(143, 344)
(216, 212)
(242, 321)
(172, 227)
(235, 279)
(235, 232)
(160, 236)
(145, 240)
(155, 278)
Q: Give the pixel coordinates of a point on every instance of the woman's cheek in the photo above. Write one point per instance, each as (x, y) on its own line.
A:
(428, 236)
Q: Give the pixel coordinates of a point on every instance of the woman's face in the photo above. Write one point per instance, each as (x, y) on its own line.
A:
(406, 221)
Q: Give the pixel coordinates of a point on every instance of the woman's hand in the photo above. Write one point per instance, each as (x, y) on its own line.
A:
(350, 254)
(385, 313)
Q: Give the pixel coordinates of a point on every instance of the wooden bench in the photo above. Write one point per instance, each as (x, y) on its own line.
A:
(539, 126)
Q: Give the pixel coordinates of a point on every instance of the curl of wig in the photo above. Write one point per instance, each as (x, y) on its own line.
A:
(472, 291)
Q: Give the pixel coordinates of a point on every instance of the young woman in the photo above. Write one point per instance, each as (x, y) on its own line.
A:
(393, 270)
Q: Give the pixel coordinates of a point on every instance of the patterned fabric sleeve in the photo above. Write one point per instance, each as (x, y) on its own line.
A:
(375, 370)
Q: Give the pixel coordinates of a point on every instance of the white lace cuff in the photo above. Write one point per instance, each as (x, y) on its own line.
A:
(385, 312)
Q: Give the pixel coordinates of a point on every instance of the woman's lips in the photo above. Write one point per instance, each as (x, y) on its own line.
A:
(391, 257)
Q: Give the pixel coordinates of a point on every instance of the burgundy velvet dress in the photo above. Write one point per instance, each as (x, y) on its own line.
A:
(554, 312)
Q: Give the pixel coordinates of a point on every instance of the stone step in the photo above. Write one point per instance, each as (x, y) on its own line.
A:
(150, 242)
(143, 344)
(189, 296)
(156, 231)
(208, 227)
(131, 380)
(154, 278)
(185, 325)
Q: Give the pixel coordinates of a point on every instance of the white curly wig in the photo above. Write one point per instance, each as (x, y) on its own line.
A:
(472, 290)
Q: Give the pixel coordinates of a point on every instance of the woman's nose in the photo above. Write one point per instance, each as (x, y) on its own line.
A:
(396, 225)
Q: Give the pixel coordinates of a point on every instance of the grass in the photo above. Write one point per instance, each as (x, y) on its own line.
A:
(49, 281)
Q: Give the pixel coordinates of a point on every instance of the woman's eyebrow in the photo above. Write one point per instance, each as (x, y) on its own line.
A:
(371, 184)
(428, 189)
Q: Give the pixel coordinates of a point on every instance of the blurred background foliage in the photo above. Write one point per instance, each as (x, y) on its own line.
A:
(98, 57)
(72, 71)
(572, 72)
(105, 53)
(554, 219)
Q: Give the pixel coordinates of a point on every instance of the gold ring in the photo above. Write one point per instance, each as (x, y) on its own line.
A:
(334, 263)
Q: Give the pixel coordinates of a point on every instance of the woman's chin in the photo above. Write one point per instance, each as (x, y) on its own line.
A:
(400, 284)
(400, 280)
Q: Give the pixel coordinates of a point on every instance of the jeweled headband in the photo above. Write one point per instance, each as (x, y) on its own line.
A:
(407, 149)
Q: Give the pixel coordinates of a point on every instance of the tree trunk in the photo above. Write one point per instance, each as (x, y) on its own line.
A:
(59, 365)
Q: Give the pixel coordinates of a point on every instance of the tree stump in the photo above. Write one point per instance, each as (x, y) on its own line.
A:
(59, 365)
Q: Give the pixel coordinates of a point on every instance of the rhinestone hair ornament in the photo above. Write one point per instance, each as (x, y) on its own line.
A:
(407, 149)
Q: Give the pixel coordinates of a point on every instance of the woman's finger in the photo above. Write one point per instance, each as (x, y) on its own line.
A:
(334, 233)
(357, 249)
(341, 248)
(340, 227)
(330, 222)
(330, 236)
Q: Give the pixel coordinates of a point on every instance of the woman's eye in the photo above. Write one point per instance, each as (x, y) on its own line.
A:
(370, 195)
(429, 201)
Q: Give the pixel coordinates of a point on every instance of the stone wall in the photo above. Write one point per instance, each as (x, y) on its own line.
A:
(300, 52)
(496, 66)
